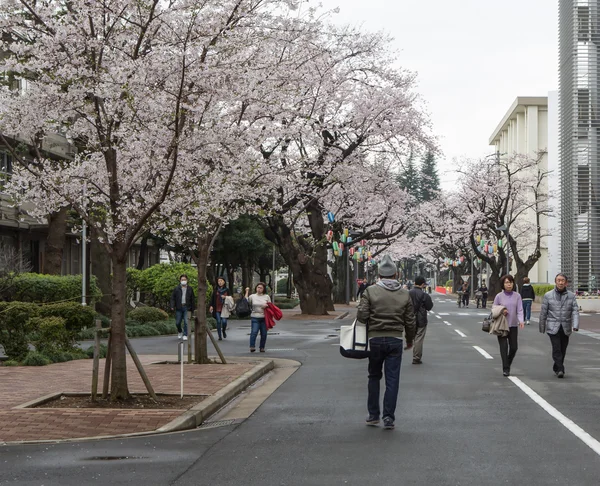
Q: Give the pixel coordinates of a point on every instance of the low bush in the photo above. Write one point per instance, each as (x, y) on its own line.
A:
(144, 330)
(541, 289)
(86, 334)
(102, 351)
(211, 322)
(34, 358)
(147, 314)
(285, 303)
(52, 335)
(76, 316)
(103, 319)
(14, 319)
(10, 362)
(35, 287)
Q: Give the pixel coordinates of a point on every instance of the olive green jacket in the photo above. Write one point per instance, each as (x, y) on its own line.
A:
(388, 312)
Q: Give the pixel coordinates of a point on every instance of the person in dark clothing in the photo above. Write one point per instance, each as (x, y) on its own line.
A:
(528, 296)
(182, 301)
(465, 294)
(216, 306)
(361, 288)
(484, 295)
(422, 304)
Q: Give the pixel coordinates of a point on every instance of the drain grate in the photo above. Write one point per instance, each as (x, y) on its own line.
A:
(216, 423)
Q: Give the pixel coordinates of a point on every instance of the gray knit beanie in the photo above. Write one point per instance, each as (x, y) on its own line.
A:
(387, 267)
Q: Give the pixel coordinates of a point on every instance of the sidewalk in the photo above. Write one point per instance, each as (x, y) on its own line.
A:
(19, 385)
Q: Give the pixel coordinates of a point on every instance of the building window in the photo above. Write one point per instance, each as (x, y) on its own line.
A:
(583, 24)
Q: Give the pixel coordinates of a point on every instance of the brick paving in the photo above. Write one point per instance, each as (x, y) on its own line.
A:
(19, 385)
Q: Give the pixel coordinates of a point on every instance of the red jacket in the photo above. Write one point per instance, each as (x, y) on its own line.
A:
(272, 314)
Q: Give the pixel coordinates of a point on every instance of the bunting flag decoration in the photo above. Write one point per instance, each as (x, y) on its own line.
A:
(331, 217)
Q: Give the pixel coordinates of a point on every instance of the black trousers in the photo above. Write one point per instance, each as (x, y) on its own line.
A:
(508, 347)
(559, 341)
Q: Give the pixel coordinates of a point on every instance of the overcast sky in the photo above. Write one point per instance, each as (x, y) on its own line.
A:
(473, 58)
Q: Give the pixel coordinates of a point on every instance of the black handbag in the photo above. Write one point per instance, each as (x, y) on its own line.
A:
(242, 308)
(487, 323)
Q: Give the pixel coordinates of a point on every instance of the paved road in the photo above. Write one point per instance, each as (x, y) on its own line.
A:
(460, 422)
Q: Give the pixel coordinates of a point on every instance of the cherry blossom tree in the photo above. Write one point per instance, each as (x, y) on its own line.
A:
(132, 84)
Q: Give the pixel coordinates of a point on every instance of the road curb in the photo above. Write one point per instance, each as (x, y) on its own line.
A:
(196, 415)
(342, 316)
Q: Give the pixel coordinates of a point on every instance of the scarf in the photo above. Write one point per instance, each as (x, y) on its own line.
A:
(389, 284)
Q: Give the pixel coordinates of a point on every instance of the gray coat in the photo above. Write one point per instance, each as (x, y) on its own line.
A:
(559, 310)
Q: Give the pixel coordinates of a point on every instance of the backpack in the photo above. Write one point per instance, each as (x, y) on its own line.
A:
(242, 308)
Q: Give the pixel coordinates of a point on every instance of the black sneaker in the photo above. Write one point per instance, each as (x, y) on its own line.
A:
(506, 373)
(372, 421)
(224, 334)
(560, 374)
(417, 361)
(388, 423)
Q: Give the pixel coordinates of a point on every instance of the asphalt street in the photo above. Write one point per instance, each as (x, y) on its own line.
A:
(459, 421)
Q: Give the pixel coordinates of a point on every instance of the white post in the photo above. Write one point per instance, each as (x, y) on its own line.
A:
(83, 253)
(182, 346)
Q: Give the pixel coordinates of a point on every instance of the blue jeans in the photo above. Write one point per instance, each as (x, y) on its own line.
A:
(385, 351)
(258, 324)
(527, 309)
(221, 323)
(179, 315)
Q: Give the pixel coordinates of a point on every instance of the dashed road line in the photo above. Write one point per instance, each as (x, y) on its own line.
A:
(460, 333)
(447, 323)
(483, 352)
(575, 429)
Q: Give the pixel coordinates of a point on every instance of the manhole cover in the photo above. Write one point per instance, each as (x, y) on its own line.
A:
(216, 423)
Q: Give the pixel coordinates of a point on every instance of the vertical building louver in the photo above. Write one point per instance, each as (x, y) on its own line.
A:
(579, 78)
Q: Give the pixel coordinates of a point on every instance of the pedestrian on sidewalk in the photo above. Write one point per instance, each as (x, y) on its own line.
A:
(217, 303)
(258, 302)
(422, 304)
(361, 288)
(528, 296)
(513, 312)
(182, 301)
(465, 294)
(484, 295)
(559, 317)
(388, 310)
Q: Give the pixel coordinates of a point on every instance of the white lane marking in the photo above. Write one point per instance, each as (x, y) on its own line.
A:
(444, 313)
(590, 368)
(483, 352)
(577, 431)
(481, 314)
(439, 317)
(591, 334)
(460, 333)
(464, 314)
(447, 323)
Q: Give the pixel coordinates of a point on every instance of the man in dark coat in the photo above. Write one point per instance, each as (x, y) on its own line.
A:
(182, 301)
(422, 304)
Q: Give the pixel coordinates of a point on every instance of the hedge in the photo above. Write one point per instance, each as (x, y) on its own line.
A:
(24, 323)
(34, 287)
(147, 314)
(158, 282)
(541, 289)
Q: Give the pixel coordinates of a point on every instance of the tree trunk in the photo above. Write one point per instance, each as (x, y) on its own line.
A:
(246, 278)
(55, 244)
(101, 269)
(231, 279)
(288, 285)
(339, 280)
(201, 342)
(143, 257)
(119, 389)
(310, 272)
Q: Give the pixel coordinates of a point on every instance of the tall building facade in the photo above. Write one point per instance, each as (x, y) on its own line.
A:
(579, 90)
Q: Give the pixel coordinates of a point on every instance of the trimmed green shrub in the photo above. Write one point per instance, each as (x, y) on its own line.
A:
(34, 287)
(34, 358)
(103, 319)
(285, 303)
(158, 282)
(52, 335)
(211, 322)
(10, 362)
(14, 320)
(282, 286)
(147, 314)
(86, 334)
(102, 351)
(76, 316)
(541, 289)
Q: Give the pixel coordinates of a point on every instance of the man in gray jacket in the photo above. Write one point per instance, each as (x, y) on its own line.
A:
(388, 310)
(559, 317)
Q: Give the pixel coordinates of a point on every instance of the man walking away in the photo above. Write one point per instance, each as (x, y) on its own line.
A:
(559, 317)
(527, 296)
(422, 304)
(182, 300)
(362, 287)
(484, 295)
(388, 310)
